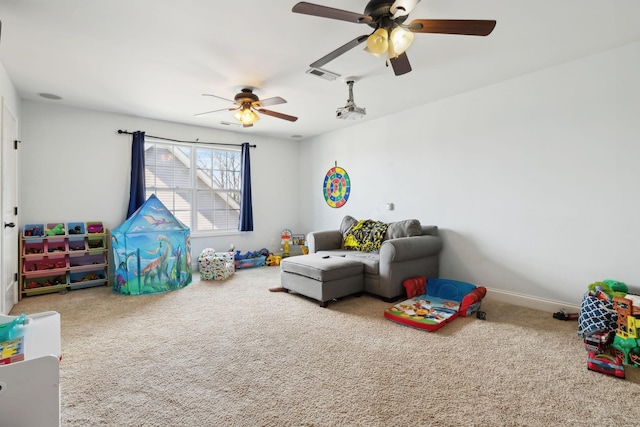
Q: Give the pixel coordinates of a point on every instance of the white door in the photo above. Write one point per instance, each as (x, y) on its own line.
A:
(9, 227)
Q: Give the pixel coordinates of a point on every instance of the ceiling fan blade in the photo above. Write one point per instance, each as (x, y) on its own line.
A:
(339, 51)
(330, 12)
(278, 115)
(219, 97)
(402, 7)
(215, 111)
(270, 101)
(468, 27)
(400, 64)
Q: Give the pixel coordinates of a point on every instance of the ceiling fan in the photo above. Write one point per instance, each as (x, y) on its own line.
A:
(391, 35)
(247, 104)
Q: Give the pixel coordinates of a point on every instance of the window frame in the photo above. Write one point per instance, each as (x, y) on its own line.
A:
(197, 176)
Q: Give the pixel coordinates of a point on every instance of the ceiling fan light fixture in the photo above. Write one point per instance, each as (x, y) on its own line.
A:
(377, 55)
(399, 40)
(378, 42)
(246, 115)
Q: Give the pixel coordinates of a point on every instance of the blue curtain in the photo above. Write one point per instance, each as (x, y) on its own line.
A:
(136, 194)
(246, 207)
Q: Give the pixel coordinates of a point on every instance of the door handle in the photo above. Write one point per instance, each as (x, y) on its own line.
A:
(9, 224)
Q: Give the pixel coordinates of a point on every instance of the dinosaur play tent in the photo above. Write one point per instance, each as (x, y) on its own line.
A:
(151, 252)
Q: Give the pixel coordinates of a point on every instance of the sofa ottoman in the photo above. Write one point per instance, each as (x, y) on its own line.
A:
(322, 278)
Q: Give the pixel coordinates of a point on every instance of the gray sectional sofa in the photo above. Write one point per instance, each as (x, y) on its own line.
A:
(408, 249)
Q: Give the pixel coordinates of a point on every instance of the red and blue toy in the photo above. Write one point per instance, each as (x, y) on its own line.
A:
(434, 302)
(605, 364)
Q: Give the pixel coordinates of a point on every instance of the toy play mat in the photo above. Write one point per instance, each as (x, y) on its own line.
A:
(434, 303)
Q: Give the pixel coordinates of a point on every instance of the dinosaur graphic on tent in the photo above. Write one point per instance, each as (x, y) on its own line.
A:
(158, 267)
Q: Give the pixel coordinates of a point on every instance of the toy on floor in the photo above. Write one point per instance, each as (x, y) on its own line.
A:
(605, 364)
(215, 265)
(563, 315)
(434, 302)
(597, 313)
(273, 260)
(285, 241)
(610, 321)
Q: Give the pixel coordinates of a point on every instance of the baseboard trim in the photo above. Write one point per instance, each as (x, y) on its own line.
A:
(547, 305)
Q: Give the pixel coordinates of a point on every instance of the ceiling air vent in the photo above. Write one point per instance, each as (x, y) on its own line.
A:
(325, 74)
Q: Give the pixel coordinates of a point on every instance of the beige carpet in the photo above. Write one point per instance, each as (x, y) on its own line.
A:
(233, 354)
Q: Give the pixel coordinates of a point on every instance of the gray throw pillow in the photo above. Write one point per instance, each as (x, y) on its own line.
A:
(347, 223)
(406, 228)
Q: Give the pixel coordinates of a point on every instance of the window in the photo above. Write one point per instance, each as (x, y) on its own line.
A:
(199, 184)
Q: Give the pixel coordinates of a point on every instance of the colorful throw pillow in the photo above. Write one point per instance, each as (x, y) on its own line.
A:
(366, 235)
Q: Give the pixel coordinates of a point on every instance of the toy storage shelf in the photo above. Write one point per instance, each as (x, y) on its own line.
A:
(75, 258)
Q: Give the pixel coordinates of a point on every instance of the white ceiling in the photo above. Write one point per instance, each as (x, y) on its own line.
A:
(155, 58)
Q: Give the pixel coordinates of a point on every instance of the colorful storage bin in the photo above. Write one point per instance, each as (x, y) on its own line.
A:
(75, 228)
(94, 227)
(33, 230)
(86, 261)
(35, 247)
(77, 244)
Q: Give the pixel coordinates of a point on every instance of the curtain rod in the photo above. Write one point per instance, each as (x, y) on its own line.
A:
(120, 131)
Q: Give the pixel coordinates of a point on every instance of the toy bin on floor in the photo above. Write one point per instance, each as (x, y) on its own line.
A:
(215, 265)
(151, 252)
(250, 262)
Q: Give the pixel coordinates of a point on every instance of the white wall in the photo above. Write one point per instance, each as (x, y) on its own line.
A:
(76, 167)
(8, 93)
(533, 181)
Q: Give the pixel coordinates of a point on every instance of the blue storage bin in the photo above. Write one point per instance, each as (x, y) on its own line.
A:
(76, 228)
(33, 230)
(251, 262)
(92, 276)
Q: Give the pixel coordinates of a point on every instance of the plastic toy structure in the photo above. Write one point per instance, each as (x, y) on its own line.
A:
(610, 321)
(151, 252)
(435, 302)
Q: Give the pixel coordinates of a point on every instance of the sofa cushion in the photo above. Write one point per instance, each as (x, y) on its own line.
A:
(322, 269)
(370, 260)
(406, 228)
(366, 235)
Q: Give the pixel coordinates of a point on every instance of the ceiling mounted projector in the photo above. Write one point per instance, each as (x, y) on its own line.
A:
(350, 111)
